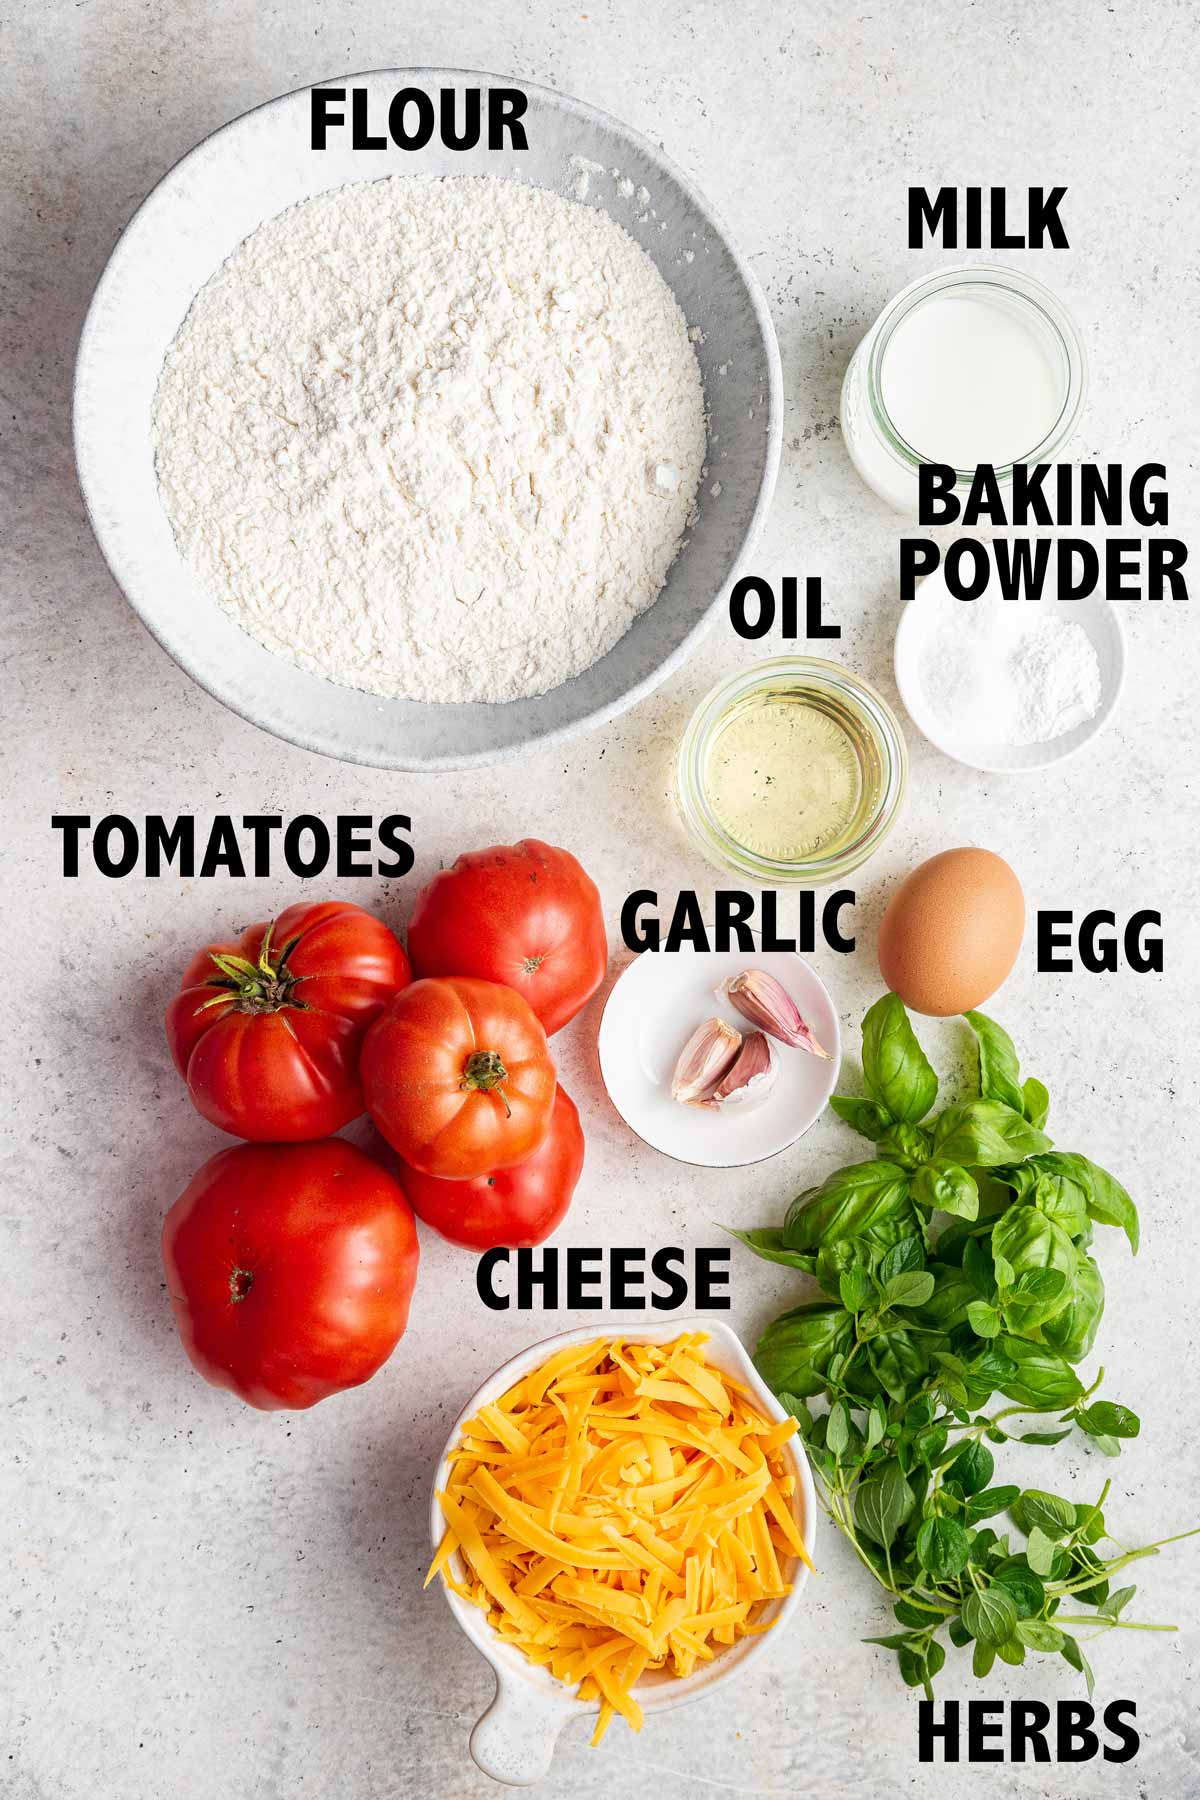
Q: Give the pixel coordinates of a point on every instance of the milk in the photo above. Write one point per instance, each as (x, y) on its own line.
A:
(972, 377)
(969, 365)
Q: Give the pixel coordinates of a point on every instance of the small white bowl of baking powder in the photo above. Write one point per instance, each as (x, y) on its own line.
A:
(1008, 686)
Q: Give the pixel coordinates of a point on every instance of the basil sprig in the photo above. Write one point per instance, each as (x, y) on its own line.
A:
(955, 1267)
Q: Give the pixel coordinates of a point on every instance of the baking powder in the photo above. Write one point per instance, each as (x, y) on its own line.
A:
(1000, 672)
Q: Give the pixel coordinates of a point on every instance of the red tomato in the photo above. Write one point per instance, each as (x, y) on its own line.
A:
(458, 1077)
(267, 1031)
(525, 914)
(515, 1207)
(290, 1268)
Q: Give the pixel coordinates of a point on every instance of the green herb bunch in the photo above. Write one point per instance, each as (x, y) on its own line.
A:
(922, 1327)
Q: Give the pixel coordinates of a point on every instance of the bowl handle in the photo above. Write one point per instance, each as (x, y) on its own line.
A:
(514, 1740)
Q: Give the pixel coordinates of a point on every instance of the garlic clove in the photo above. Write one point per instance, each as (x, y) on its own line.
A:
(768, 1005)
(706, 1057)
(750, 1078)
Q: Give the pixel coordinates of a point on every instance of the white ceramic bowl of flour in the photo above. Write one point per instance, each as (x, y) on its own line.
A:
(252, 170)
(1008, 687)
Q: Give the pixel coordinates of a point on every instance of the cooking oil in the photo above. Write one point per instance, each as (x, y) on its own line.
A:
(792, 771)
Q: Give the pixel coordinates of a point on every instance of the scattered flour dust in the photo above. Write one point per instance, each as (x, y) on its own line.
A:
(433, 437)
(999, 671)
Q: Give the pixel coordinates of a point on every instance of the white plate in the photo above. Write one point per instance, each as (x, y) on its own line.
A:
(1097, 617)
(253, 169)
(651, 1012)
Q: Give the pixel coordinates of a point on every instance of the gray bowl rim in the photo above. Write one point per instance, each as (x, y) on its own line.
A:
(339, 751)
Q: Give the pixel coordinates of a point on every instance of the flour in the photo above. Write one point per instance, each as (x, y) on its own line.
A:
(1000, 672)
(437, 438)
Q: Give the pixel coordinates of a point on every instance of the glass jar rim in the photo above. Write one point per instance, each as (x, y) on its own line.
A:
(694, 745)
(1038, 297)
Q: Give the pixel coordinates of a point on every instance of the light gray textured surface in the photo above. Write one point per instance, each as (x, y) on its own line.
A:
(199, 1600)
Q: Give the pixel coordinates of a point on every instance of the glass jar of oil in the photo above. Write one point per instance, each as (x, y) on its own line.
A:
(791, 771)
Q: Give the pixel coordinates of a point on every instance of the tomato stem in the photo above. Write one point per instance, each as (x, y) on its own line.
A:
(240, 1283)
(260, 987)
(484, 1072)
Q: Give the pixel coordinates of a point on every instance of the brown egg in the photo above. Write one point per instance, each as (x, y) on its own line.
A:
(951, 932)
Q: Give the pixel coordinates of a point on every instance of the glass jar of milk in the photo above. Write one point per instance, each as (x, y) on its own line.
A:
(977, 364)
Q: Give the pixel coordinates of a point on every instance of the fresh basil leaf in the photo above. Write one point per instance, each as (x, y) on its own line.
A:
(768, 1243)
(911, 1288)
(1036, 1509)
(999, 1070)
(1072, 1332)
(1035, 1102)
(1038, 1634)
(1105, 1418)
(876, 1426)
(948, 1188)
(908, 1254)
(1109, 1204)
(958, 1634)
(1043, 1381)
(1107, 1201)
(947, 1306)
(1073, 1653)
(1032, 1295)
(990, 1501)
(982, 1658)
(1029, 1241)
(978, 1268)
(836, 1258)
(1044, 1437)
(972, 1468)
(882, 1504)
(794, 1352)
(896, 1070)
(990, 1616)
(899, 1362)
(896, 1640)
(908, 1145)
(866, 1117)
(869, 1201)
(856, 1289)
(1062, 1200)
(1026, 1588)
(951, 1242)
(980, 1133)
(942, 1548)
(991, 1365)
(1011, 1651)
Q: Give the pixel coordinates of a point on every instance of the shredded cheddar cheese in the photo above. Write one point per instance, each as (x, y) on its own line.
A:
(622, 1509)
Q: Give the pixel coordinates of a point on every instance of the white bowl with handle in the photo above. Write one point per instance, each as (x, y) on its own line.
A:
(514, 1740)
